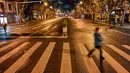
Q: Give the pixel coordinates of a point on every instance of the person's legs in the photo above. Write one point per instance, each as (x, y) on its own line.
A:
(101, 53)
(5, 30)
(101, 60)
(91, 52)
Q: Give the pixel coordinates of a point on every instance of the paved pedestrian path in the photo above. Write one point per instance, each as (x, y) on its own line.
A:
(127, 26)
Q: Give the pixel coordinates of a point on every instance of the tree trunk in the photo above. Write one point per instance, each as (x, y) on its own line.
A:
(93, 16)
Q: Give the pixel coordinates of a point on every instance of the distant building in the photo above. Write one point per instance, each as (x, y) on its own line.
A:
(7, 11)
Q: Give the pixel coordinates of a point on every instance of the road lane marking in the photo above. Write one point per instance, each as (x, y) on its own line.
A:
(33, 26)
(114, 63)
(78, 23)
(42, 26)
(120, 52)
(7, 46)
(41, 64)
(91, 65)
(121, 32)
(66, 60)
(41, 30)
(1, 42)
(14, 30)
(23, 59)
(126, 46)
(4, 42)
(35, 37)
(6, 56)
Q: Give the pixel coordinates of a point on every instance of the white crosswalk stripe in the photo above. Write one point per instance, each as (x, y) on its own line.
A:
(6, 56)
(66, 66)
(91, 66)
(2, 43)
(7, 46)
(23, 59)
(114, 63)
(126, 56)
(5, 42)
(126, 46)
(40, 66)
(66, 60)
(119, 68)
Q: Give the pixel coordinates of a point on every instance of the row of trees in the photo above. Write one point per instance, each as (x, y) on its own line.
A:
(101, 8)
(46, 10)
(24, 9)
(20, 8)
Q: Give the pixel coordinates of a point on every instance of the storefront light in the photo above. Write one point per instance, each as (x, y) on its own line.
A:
(3, 19)
(1, 15)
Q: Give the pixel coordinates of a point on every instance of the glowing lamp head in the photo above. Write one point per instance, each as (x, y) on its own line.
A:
(45, 4)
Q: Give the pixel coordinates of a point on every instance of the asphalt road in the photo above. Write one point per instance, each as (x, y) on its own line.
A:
(40, 47)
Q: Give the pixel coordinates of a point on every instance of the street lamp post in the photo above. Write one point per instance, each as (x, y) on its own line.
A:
(45, 5)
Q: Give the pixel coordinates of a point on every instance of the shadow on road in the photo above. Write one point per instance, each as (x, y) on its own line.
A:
(4, 37)
(101, 66)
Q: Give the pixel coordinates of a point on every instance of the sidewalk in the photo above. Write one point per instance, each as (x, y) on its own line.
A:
(125, 29)
(126, 25)
(14, 24)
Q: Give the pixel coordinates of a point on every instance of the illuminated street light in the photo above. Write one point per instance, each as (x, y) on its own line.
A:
(81, 2)
(45, 4)
(51, 7)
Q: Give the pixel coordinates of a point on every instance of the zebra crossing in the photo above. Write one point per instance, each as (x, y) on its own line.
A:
(22, 60)
(40, 66)
(66, 62)
(91, 66)
(66, 66)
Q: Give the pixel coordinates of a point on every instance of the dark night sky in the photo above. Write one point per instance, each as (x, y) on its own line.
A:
(67, 5)
(71, 3)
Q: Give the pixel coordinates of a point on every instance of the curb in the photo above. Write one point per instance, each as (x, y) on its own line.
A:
(13, 24)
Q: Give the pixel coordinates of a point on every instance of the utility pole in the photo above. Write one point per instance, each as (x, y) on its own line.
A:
(5, 10)
(17, 14)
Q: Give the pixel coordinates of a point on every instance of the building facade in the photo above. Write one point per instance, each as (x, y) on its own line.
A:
(7, 11)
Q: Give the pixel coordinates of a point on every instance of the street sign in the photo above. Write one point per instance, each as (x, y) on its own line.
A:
(29, 2)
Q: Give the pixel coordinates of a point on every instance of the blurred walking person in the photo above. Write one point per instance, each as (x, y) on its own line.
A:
(4, 25)
(122, 17)
(116, 19)
(98, 43)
